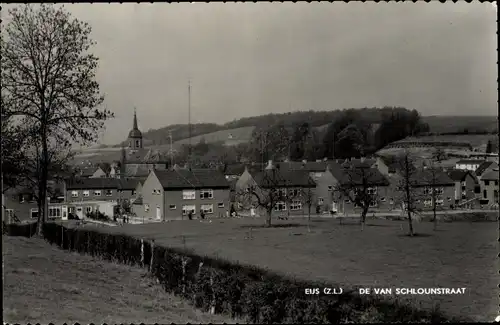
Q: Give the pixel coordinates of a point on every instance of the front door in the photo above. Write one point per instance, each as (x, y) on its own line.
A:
(64, 215)
(158, 213)
(79, 212)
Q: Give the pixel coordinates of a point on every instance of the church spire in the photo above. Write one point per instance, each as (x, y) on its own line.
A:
(135, 120)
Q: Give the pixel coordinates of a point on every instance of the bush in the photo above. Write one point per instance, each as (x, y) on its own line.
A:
(98, 215)
(19, 229)
(241, 291)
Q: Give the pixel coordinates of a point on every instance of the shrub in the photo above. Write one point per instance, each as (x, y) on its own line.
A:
(241, 291)
(98, 215)
(20, 229)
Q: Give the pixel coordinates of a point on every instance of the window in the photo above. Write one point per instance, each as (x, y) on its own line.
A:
(188, 195)
(220, 204)
(321, 201)
(347, 201)
(109, 192)
(280, 206)
(330, 188)
(449, 198)
(71, 209)
(496, 183)
(485, 194)
(439, 202)
(86, 193)
(172, 207)
(74, 193)
(133, 192)
(391, 201)
(487, 183)
(137, 143)
(373, 203)
(296, 205)
(280, 192)
(439, 190)
(97, 193)
(21, 198)
(318, 175)
(88, 209)
(427, 190)
(187, 208)
(146, 207)
(464, 184)
(382, 199)
(207, 208)
(371, 190)
(34, 213)
(156, 191)
(206, 194)
(9, 213)
(294, 192)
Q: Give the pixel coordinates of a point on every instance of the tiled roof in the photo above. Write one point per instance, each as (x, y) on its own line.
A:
(234, 169)
(196, 178)
(88, 171)
(425, 178)
(310, 166)
(490, 176)
(458, 175)
(470, 161)
(101, 183)
(482, 168)
(283, 178)
(356, 176)
(136, 170)
(92, 183)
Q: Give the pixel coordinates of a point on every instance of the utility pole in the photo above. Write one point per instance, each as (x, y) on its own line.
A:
(171, 150)
(189, 123)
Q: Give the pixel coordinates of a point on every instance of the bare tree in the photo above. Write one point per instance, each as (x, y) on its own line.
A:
(270, 190)
(48, 79)
(359, 185)
(308, 198)
(408, 186)
(432, 179)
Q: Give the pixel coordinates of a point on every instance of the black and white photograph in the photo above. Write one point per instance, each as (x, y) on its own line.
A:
(251, 162)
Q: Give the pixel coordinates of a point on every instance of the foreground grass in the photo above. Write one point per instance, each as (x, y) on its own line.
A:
(44, 284)
(458, 255)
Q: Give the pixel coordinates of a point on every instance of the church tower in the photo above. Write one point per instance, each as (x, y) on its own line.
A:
(135, 136)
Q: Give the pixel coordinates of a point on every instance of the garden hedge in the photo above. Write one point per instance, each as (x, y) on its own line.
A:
(244, 292)
(20, 229)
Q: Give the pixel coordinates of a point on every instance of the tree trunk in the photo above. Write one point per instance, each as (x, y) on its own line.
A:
(410, 223)
(268, 218)
(42, 186)
(364, 212)
(435, 217)
(309, 218)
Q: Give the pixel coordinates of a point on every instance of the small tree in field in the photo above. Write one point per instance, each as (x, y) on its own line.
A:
(359, 185)
(272, 188)
(48, 81)
(308, 198)
(408, 186)
(432, 179)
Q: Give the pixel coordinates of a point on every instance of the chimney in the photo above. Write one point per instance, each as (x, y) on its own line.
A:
(270, 165)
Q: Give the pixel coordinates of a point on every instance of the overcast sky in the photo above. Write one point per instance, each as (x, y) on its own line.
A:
(247, 59)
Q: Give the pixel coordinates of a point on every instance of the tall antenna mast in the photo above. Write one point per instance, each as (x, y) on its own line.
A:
(171, 150)
(189, 123)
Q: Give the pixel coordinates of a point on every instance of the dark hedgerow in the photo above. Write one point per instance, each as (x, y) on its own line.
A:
(24, 230)
(215, 284)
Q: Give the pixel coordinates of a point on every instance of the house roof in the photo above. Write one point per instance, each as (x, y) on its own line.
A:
(458, 175)
(490, 175)
(195, 178)
(136, 170)
(101, 183)
(138, 201)
(426, 178)
(144, 156)
(88, 171)
(356, 176)
(236, 169)
(92, 183)
(470, 161)
(482, 168)
(283, 178)
(310, 166)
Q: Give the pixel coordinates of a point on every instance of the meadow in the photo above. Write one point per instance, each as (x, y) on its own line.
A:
(44, 284)
(457, 255)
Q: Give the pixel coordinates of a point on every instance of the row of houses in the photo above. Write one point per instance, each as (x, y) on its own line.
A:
(173, 194)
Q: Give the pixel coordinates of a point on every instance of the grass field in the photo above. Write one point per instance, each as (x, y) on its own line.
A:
(44, 284)
(457, 255)
(240, 134)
